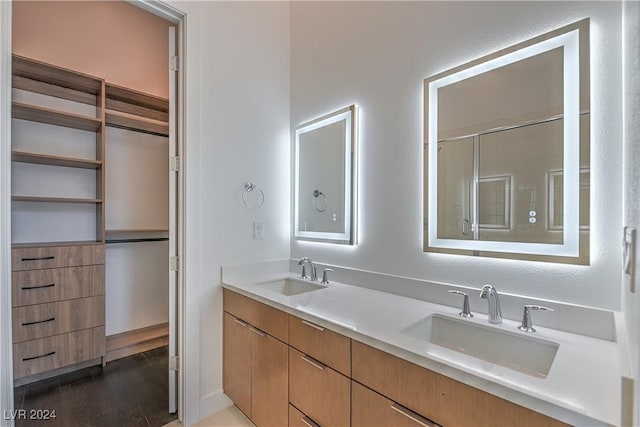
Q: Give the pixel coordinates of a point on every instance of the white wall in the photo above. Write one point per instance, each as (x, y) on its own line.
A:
(237, 130)
(377, 54)
(631, 301)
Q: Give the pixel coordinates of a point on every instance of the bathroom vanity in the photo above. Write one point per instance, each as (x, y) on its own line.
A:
(300, 353)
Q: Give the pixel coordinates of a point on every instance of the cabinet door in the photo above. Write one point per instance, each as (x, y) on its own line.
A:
(237, 363)
(317, 390)
(370, 409)
(269, 380)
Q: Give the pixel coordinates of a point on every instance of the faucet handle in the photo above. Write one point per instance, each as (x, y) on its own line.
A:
(466, 311)
(325, 279)
(303, 275)
(527, 325)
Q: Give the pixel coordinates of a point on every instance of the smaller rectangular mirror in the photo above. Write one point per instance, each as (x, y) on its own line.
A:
(325, 183)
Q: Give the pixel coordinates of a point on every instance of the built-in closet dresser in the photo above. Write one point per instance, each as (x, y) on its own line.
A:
(58, 293)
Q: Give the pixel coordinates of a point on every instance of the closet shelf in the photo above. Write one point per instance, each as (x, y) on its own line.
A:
(54, 117)
(137, 98)
(137, 230)
(47, 159)
(50, 244)
(43, 199)
(136, 123)
(54, 75)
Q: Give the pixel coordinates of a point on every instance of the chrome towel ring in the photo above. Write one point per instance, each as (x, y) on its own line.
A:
(320, 201)
(249, 188)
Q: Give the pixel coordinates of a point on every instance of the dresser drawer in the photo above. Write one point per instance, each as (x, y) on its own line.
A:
(266, 318)
(317, 390)
(35, 258)
(370, 409)
(33, 357)
(56, 284)
(324, 345)
(54, 318)
(437, 397)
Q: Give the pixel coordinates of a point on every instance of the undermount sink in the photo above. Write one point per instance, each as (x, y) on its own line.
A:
(530, 355)
(289, 287)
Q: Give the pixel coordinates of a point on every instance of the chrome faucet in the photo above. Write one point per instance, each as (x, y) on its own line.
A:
(312, 268)
(495, 312)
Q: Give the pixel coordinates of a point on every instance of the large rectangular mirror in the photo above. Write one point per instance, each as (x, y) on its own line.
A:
(325, 184)
(507, 152)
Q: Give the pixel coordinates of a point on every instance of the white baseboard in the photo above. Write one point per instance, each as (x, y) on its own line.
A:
(213, 403)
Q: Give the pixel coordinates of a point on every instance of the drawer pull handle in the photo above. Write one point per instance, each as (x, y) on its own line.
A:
(419, 419)
(239, 322)
(24, 359)
(309, 422)
(42, 258)
(258, 331)
(28, 288)
(39, 321)
(313, 362)
(314, 326)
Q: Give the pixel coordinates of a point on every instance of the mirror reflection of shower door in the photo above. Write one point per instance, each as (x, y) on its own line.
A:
(455, 171)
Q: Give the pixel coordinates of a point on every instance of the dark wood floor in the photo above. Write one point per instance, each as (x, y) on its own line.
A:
(132, 391)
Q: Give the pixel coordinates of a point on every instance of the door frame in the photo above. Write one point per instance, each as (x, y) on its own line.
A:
(6, 354)
(6, 350)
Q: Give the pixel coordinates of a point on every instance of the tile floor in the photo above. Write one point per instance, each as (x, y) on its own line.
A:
(132, 391)
(228, 417)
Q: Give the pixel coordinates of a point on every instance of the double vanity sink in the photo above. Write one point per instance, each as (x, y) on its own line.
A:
(560, 374)
(526, 354)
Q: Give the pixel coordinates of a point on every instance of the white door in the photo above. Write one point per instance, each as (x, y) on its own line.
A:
(174, 256)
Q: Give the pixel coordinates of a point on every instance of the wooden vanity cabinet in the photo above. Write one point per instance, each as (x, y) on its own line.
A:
(322, 378)
(255, 364)
(434, 396)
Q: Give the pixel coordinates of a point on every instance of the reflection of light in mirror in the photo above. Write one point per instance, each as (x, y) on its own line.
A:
(571, 88)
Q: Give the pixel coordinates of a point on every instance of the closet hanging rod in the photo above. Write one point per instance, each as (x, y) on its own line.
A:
(150, 239)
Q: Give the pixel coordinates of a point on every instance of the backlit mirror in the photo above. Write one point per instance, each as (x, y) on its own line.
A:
(507, 166)
(324, 188)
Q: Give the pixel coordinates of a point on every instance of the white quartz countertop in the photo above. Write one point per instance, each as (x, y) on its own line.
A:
(583, 386)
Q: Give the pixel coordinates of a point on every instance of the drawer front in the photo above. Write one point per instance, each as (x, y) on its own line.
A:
(324, 345)
(33, 357)
(266, 318)
(439, 398)
(317, 390)
(56, 284)
(36, 258)
(370, 409)
(54, 318)
(298, 419)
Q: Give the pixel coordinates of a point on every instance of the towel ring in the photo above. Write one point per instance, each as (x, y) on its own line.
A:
(249, 187)
(320, 201)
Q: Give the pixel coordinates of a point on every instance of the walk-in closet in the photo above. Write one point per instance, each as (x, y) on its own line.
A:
(92, 211)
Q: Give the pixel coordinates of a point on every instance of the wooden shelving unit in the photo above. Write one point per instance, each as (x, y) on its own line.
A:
(137, 111)
(56, 244)
(47, 159)
(56, 82)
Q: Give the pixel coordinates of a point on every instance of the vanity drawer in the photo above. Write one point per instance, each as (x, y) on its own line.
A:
(33, 357)
(266, 318)
(370, 409)
(317, 390)
(298, 419)
(439, 398)
(324, 345)
(56, 284)
(35, 258)
(54, 318)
